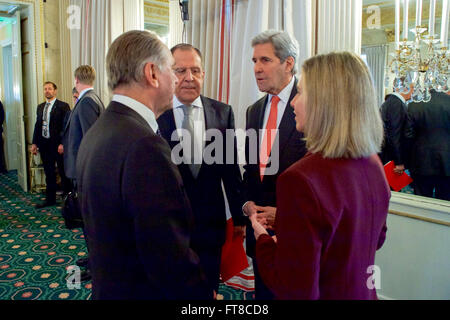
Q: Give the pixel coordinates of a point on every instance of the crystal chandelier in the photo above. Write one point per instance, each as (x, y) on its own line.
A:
(424, 62)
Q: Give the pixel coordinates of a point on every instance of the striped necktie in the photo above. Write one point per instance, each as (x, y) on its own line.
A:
(188, 124)
(45, 131)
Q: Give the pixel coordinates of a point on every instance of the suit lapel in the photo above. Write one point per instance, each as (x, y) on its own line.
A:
(167, 126)
(287, 124)
(73, 110)
(210, 115)
(261, 111)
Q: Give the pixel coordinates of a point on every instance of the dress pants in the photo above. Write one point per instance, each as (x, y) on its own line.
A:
(210, 262)
(50, 156)
(424, 186)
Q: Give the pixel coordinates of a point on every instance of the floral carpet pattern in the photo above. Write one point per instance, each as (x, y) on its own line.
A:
(36, 249)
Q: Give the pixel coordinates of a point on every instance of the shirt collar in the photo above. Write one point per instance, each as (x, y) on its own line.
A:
(51, 101)
(398, 95)
(83, 92)
(140, 108)
(285, 94)
(196, 103)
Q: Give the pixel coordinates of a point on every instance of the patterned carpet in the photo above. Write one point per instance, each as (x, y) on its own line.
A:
(36, 249)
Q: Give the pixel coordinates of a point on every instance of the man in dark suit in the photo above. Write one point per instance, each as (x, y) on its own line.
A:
(47, 138)
(85, 112)
(274, 56)
(394, 114)
(136, 212)
(428, 126)
(203, 177)
(2, 151)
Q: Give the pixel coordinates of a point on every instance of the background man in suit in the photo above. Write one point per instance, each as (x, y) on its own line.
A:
(136, 212)
(275, 57)
(2, 151)
(86, 111)
(203, 182)
(75, 95)
(428, 126)
(47, 138)
(394, 114)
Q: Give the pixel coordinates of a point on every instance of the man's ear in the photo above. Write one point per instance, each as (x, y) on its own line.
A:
(150, 75)
(290, 63)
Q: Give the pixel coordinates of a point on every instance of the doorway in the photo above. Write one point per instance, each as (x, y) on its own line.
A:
(12, 91)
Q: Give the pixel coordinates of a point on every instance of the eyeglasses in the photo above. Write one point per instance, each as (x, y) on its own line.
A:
(181, 72)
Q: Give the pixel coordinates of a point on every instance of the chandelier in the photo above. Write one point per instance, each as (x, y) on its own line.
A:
(424, 62)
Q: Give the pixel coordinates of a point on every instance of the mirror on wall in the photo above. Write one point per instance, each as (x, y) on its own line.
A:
(392, 61)
(156, 18)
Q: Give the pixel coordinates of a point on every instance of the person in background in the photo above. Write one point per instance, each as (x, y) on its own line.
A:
(394, 114)
(46, 140)
(332, 204)
(86, 111)
(139, 238)
(428, 127)
(75, 95)
(275, 65)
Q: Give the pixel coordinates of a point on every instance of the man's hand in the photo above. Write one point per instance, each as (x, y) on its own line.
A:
(257, 227)
(266, 216)
(60, 149)
(250, 208)
(398, 169)
(34, 149)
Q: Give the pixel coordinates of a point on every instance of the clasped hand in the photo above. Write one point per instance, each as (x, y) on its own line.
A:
(262, 218)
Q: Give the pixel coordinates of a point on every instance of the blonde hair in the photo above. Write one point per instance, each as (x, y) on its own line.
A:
(342, 116)
(85, 74)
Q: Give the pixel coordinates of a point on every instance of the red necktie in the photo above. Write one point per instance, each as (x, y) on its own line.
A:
(269, 136)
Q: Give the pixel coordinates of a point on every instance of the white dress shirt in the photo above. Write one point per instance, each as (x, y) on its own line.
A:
(140, 108)
(83, 92)
(284, 96)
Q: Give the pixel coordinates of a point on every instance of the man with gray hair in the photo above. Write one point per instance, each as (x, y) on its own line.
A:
(136, 213)
(272, 118)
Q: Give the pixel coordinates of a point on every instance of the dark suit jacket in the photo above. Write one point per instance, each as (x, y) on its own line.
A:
(428, 126)
(394, 115)
(84, 114)
(137, 216)
(292, 147)
(205, 193)
(59, 111)
(331, 219)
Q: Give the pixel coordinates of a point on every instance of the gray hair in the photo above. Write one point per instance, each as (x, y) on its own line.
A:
(130, 52)
(283, 43)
